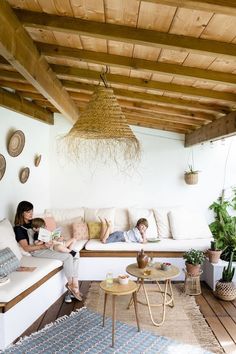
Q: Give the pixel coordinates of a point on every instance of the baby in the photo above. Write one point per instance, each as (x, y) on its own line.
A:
(58, 244)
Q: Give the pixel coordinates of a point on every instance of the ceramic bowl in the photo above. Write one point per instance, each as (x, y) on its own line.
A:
(123, 279)
(165, 266)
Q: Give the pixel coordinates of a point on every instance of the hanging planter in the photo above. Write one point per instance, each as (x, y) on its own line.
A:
(191, 176)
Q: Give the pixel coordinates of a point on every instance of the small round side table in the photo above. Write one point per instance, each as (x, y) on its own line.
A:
(118, 290)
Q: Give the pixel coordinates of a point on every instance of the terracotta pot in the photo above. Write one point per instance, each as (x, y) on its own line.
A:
(214, 256)
(225, 290)
(142, 259)
(193, 269)
(191, 178)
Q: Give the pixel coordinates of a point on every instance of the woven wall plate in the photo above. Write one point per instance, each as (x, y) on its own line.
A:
(16, 143)
(2, 166)
(24, 174)
(37, 160)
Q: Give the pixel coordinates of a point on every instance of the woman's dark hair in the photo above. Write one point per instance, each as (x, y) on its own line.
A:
(22, 207)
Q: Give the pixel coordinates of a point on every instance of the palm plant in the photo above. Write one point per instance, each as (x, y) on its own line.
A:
(223, 227)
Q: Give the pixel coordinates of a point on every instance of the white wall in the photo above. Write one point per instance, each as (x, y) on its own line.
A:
(158, 182)
(36, 189)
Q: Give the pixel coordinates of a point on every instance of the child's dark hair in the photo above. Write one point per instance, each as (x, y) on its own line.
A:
(37, 222)
(142, 221)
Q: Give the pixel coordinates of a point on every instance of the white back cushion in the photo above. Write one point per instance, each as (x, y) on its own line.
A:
(65, 214)
(121, 220)
(163, 226)
(7, 238)
(186, 224)
(135, 214)
(93, 214)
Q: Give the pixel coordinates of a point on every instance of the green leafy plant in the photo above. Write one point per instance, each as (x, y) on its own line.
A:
(191, 171)
(194, 256)
(223, 228)
(214, 246)
(228, 273)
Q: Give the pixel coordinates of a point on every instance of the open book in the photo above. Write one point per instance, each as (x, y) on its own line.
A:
(47, 236)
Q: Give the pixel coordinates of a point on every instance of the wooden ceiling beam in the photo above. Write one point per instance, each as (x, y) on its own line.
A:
(192, 123)
(136, 106)
(17, 47)
(54, 51)
(68, 73)
(144, 119)
(142, 96)
(72, 25)
(154, 125)
(219, 129)
(16, 103)
(226, 7)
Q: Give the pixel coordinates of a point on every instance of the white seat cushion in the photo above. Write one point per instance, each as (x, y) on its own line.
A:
(138, 213)
(7, 238)
(20, 281)
(186, 224)
(165, 245)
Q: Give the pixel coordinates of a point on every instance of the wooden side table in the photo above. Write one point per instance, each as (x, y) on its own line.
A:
(118, 290)
(157, 275)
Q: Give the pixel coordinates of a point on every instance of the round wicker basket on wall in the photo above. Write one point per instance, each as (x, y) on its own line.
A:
(225, 291)
(191, 178)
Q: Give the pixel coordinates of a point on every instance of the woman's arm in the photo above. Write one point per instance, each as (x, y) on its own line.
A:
(30, 248)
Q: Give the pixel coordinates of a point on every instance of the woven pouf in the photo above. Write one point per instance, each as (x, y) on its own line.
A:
(225, 291)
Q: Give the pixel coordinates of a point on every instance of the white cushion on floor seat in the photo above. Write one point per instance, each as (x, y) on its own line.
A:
(20, 281)
(166, 245)
(7, 238)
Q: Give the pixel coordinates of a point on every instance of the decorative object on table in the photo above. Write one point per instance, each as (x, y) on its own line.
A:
(24, 174)
(8, 262)
(109, 278)
(191, 175)
(102, 131)
(2, 166)
(223, 227)
(165, 266)
(225, 287)
(37, 160)
(194, 260)
(214, 253)
(16, 143)
(123, 279)
(142, 259)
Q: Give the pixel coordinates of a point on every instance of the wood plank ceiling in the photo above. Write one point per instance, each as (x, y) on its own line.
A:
(171, 63)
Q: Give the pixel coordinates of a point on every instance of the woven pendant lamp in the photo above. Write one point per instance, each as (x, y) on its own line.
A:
(102, 131)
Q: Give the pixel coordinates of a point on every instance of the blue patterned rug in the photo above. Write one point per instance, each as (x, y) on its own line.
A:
(82, 332)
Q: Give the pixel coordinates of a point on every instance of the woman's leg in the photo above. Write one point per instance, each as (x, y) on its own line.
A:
(70, 266)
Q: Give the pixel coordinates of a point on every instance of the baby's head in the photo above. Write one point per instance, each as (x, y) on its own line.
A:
(36, 223)
(142, 224)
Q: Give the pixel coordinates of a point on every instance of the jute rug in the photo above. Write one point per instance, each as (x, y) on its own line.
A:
(184, 322)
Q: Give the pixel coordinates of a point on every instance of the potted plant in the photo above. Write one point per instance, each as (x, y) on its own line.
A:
(214, 252)
(225, 288)
(223, 228)
(191, 175)
(194, 259)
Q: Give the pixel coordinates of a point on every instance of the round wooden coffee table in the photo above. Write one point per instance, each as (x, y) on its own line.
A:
(157, 275)
(118, 290)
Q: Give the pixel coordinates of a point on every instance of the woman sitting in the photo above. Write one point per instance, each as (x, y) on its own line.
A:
(24, 214)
